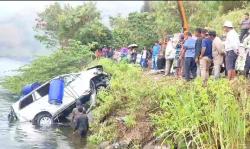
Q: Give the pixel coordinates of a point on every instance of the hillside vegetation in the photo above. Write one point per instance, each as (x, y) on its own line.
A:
(74, 32)
(173, 111)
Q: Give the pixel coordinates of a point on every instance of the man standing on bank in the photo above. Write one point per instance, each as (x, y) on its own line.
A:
(232, 44)
(218, 53)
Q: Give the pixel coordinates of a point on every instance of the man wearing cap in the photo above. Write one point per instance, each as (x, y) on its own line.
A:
(206, 57)
(217, 52)
(232, 44)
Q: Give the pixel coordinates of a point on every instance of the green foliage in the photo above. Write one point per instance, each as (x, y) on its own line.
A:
(138, 28)
(168, 20)
(105, 132)
(204, 13)
(122, 99)
(49, 19)
(142, 27)
(234, 16)
(44, 68)
(167, 17)
(183, 113)
(228, 6)
(201, 117)
(130, 121)
(120, 31)
(57, 25)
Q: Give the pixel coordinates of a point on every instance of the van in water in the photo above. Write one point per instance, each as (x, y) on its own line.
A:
(55, 99)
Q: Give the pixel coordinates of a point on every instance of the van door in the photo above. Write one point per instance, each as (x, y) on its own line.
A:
(26, 101)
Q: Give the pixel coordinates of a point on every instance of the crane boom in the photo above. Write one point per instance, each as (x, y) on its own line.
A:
(183, 16)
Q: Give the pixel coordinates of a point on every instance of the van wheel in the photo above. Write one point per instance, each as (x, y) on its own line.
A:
(44, 120)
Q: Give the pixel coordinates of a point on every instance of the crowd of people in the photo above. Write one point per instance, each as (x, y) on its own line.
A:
(185, 55)
(188, 55)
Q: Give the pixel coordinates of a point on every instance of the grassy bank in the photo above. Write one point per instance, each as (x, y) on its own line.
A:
(139, 108)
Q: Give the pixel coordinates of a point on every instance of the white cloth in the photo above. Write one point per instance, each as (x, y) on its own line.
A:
(246, 44)
(232, 41)
(170, 51)
(144, 54)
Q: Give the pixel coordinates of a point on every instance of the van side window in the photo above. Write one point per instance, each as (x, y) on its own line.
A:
(26, 101)
(70, 79)
(43, 91)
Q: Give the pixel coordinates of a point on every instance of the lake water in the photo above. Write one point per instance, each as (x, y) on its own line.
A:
(18, 135)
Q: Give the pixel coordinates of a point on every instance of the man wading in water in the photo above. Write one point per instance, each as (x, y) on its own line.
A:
(81, 123)
(75, 112)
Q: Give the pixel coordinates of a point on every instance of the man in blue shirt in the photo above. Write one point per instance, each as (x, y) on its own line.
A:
(155, 54)
(189, 63)
(206, 58)
(199, 33)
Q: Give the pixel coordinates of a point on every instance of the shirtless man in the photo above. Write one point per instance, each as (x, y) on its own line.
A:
(75, 112)
(82, 123)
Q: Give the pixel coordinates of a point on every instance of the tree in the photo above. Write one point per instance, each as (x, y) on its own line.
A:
(47, 25)
(120, 31)
(57, 25)
(137, 28)
(143, 28)
(167, 17)
(231, 5)
(203, 12)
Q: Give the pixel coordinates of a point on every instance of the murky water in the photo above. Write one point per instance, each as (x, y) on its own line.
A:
(19, 135)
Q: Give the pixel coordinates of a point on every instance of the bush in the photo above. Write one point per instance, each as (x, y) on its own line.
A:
(43, 68)
(182, 113)
(234, 16)
(198, 117)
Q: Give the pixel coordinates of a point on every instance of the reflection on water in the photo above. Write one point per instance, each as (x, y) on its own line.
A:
(19, 135)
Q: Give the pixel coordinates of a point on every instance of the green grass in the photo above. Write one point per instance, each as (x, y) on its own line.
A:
(177, 112)
(181, 113)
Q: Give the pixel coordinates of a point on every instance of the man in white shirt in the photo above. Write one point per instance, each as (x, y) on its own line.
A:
(217, 52)
(232, 44)
(169, 56)
(144, 58)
